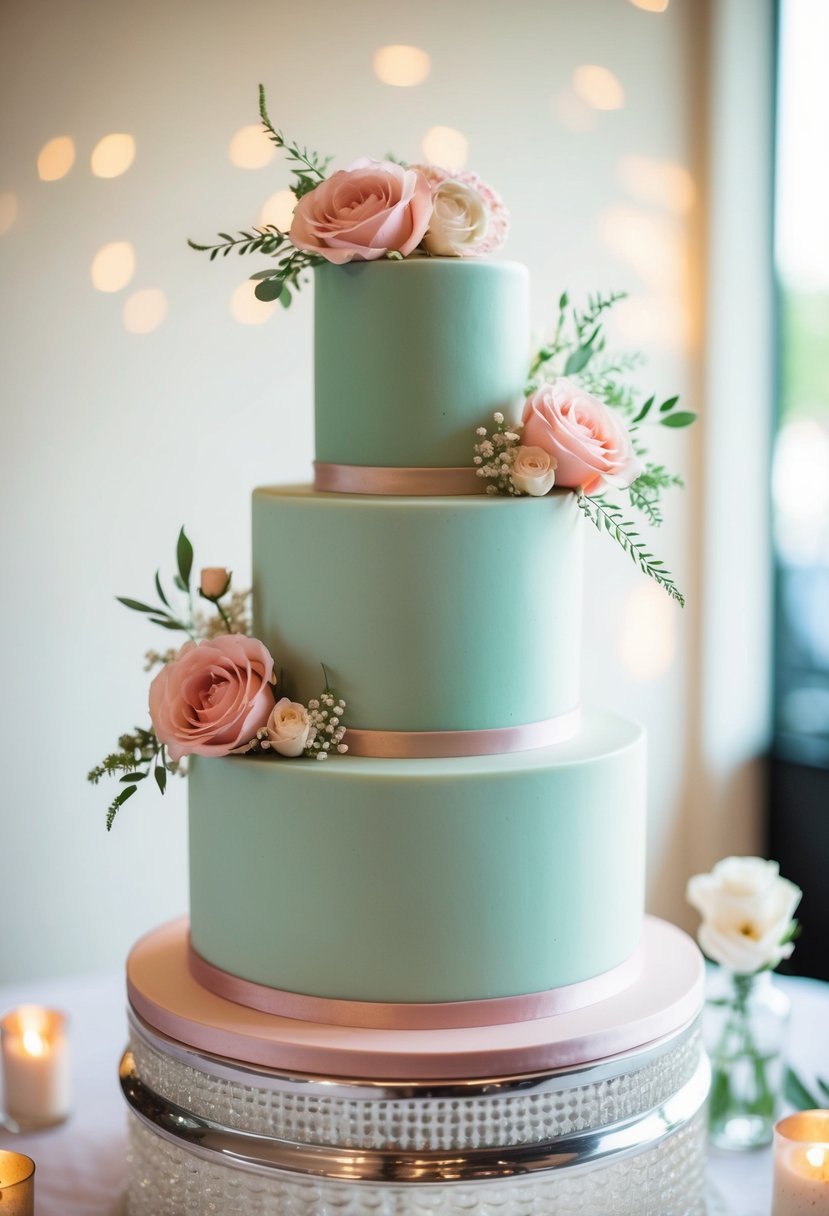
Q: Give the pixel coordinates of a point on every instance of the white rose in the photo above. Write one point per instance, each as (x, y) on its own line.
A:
(534, 471)
(459, 220)
(288, 728)
(747, 911)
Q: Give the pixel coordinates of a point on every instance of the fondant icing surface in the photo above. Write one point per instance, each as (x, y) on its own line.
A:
(422, 880)
(459, 613)
(410, 357)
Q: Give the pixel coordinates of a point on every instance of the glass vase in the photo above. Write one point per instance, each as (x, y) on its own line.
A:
(745, 1024)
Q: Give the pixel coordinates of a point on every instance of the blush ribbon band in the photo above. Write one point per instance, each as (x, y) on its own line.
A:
(396, 482)
(430, 744)
(375, 1015)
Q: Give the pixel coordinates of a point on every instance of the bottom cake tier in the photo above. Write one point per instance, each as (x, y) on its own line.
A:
(614, 1134)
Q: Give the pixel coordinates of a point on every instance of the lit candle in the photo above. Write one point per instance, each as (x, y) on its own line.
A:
(35, 1066)
(801, 1165)
(17, 1185)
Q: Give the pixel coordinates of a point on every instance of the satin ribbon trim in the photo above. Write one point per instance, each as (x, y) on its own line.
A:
(374, 1015)
(442, 744)
(396, 482)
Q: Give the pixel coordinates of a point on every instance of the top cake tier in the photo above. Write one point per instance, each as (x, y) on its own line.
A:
(411, 356)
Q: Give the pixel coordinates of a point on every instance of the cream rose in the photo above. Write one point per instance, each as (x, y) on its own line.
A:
(469, 217)
(459, 220)
(587, 438)
(747, 912)
(533, 471)
(214, 582)
(289, 730)
(213, 696)
(372, 208)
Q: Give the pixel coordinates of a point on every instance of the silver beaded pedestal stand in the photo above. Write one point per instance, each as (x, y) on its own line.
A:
(231, 1131)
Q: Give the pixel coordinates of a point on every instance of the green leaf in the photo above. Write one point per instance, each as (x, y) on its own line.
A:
(132, 777)
(166, 623)
(680, 419)
(796, 1092)
(269, 289)
(578, 359)
(823, 1087)
(136, 605)
(668, 405)
(645, 410)
(160, 774)
(184, 558)
(179, 583)
(263, 274)
(285, 298)
(160, 590)
(563, 301)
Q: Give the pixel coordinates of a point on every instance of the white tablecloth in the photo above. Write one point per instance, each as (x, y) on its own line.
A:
(81, 1165)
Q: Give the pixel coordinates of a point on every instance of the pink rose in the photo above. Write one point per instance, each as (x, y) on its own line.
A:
(213, 696)
(586, 437)
(364, 212)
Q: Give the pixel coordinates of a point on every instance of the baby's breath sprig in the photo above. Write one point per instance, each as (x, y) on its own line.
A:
(495, 455)
(325, 713)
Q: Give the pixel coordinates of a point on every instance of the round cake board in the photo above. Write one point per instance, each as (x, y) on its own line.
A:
(665, 997)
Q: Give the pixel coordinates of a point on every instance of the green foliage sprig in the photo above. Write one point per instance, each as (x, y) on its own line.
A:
(139, 754)
(279, 282)
(607, 517)
(577, 348)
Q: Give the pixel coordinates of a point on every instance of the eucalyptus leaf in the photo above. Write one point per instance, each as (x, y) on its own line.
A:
(136, 605)
(680, 419)
(645, 410)
(269, 289)
(263, 274)
(578, 360)
(166, 623)
(133, 777)
(160, 774)
(285, 298)
(668, 405)
(160, 590)
(184, 558)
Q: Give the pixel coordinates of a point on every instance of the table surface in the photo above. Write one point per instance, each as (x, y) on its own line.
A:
(81, 1166)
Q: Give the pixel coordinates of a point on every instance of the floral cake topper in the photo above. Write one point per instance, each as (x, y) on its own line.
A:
(217, 694)
(369, 210)
(582, 429)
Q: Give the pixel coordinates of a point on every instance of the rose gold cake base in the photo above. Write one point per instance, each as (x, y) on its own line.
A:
(665, 996)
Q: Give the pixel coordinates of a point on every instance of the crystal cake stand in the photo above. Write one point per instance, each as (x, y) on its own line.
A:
(596, 1111)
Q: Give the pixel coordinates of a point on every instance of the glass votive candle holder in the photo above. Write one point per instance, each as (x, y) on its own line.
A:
(17, 1184)
(35, 1066)
(801, 1164)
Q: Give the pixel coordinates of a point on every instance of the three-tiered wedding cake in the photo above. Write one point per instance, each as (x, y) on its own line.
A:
(418, 976)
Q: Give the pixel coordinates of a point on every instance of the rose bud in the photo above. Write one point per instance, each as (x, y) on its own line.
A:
(215, 581)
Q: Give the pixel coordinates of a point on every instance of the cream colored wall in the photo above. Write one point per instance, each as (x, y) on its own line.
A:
(112, 439)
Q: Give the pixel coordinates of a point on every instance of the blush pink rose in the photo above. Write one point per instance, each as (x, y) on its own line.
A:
(372, 208)
(213, 696)
(586, 437)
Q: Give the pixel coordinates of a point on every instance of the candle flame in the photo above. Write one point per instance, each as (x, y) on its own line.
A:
(33, 1043)
(816, 1157)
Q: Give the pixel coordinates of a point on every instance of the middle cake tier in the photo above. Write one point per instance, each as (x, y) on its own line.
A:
(422, 881)
(431, 614)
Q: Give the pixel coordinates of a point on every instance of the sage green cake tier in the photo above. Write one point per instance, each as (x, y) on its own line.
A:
(430, 613)
(422, 881)
(411, 356)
